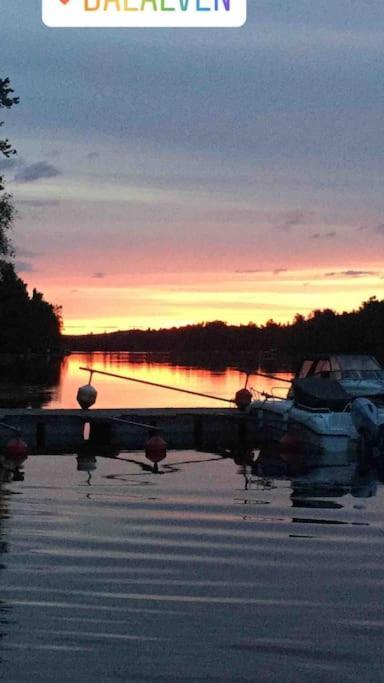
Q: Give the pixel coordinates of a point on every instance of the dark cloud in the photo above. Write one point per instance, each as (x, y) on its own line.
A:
(26, 253)
(277, 271)
(93, 155)
(23, 267)
(380, 229)
(40, 169)
(292, 220)
(98, 276)
(353, 273)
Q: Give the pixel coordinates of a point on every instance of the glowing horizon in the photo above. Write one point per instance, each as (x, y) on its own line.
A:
(235, 299)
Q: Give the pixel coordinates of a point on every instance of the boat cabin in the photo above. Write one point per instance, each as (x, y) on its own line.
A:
(331, 382)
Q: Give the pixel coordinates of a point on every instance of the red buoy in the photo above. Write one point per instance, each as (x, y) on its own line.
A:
(288, 443)
(156, 449)
(17, 450)
(243, 399)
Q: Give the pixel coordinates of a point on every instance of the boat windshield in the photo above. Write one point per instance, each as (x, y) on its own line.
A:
(342, 367)
(359, 367)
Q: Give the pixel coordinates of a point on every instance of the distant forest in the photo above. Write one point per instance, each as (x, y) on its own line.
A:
(359, 331)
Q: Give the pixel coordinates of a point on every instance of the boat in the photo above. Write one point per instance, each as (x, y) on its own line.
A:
(334, 403)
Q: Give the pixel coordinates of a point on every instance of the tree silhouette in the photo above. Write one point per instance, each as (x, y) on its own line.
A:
(26, 323)
(6, 206)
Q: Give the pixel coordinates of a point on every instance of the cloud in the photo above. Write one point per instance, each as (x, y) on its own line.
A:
(26, 253)
(93, 155)
(325, 235)
(292, 220)
(98, 276)
(353, 273)
(23, 267)
(53, 153)
(277, 271)
(7, 164)
(248, 272)
(40, 169)
(380, 229)
(38, 203)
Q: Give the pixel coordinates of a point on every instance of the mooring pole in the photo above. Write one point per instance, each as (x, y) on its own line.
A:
(155, 384)
(11, 429)
(136, 424)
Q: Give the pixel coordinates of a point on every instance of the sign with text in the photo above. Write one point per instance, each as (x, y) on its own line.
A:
(145, 13)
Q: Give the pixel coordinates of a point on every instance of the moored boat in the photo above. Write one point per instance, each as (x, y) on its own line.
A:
(334, 403)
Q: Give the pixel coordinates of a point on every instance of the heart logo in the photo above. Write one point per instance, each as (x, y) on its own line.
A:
(64, 2)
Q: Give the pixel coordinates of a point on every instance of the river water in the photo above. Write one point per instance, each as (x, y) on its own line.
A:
(241, 568)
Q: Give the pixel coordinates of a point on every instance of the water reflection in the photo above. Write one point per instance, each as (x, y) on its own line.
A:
(86, 462)
(31, 383)
(310, 485)
(11, 468)
(212, 375)
(7, 474)
(215, 557)
(53, 382)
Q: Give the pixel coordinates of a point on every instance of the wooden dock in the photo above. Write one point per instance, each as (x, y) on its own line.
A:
(48, 430)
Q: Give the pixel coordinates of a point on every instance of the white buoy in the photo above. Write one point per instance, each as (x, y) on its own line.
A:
(86, 396)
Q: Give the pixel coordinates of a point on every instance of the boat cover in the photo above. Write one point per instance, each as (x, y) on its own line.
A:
(317, 392)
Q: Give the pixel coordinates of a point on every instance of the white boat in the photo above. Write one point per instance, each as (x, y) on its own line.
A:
(333, 403)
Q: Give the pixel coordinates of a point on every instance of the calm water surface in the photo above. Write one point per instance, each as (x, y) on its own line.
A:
(239, 568)
(55, 385)
(208, 571)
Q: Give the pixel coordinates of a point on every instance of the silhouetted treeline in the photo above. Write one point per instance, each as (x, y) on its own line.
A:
(359, 331)
(27, 323)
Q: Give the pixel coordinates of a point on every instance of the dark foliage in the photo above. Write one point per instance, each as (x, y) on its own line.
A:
(6, 206)
(360, 331)
(26, 323)
(6, 102)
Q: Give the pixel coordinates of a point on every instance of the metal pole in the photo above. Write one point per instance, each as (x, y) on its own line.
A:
(155, 384)
(279, 398)
(280, 379)
(136, 424)
(12, 429)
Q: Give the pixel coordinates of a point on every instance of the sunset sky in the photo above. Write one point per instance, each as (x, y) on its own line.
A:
(173, 176)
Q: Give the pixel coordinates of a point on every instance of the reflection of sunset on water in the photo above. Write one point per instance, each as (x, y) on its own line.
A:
(115, 393)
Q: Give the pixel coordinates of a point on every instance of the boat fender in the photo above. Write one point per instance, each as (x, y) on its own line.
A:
(156, 449)
(86, 396)
(16, 450)
(243, 399)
